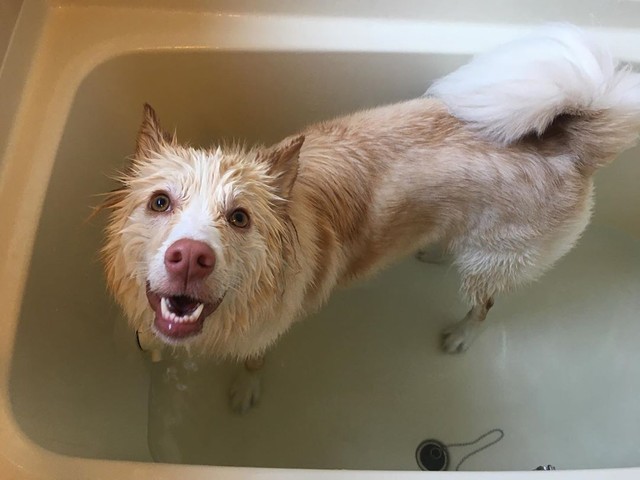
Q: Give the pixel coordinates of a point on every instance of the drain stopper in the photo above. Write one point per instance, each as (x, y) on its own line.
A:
(432, 455)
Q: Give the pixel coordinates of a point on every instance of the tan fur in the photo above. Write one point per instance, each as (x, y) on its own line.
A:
(341, 201)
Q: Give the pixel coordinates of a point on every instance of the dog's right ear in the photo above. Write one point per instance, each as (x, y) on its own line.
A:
(151, 136)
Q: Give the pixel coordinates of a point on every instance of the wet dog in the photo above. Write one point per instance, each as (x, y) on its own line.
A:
(223, 249)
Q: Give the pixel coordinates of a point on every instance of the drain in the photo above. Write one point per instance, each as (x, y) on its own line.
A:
(432, 455)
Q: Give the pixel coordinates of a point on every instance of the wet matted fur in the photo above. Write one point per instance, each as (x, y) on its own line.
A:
(495, 163)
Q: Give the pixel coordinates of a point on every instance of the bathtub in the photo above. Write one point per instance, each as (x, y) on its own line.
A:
(557, 373)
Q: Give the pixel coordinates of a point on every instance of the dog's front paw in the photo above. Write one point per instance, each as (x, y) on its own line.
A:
(245, 391)
(459, 337)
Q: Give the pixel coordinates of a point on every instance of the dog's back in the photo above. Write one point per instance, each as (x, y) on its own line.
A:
(496, 163)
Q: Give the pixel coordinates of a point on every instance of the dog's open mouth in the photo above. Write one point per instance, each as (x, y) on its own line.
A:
(179, 316)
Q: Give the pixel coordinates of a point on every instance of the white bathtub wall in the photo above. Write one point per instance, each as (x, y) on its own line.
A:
(79, 384)
(22, 25)
(9, 10)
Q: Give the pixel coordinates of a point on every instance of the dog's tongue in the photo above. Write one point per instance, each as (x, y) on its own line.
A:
(178, 317)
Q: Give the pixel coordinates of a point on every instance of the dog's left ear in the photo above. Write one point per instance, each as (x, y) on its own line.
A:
(151, 136)
(282, 162)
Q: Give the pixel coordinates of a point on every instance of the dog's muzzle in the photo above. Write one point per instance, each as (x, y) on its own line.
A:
(182, 306)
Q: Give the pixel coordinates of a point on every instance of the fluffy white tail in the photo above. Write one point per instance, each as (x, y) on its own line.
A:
(521, 87)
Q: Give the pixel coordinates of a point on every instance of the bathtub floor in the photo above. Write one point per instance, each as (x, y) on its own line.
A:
(361, 384)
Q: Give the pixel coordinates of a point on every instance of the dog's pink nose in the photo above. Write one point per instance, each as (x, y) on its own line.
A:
(187, 260)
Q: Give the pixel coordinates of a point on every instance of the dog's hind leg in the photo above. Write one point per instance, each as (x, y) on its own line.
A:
(485, 273)
(459, 336)
(246, 388)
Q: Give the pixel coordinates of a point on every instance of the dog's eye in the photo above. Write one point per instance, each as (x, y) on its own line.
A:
(239, 218)
(159, 202)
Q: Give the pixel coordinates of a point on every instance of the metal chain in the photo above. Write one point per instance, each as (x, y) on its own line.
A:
(477, 450)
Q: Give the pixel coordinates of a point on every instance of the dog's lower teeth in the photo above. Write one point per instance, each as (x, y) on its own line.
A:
(167, 314)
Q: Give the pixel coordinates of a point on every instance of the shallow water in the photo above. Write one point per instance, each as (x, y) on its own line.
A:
(363, 382)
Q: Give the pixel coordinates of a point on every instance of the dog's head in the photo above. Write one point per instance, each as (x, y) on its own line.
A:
(197, 240)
